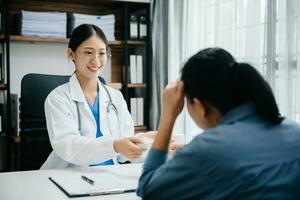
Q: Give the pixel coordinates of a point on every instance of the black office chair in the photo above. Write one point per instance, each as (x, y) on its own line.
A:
(35, 146)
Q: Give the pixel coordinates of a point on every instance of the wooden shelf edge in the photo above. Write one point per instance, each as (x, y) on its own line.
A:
(136, 85)
(16, 139)
(3, 134)
(115, 43)
(140, 128)
(136, 42)
(24, 38)
(2, 36)
(134, 1)
(117, 86)
(2, 86)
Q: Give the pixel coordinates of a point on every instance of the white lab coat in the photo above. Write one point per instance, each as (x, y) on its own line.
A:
(80, 148)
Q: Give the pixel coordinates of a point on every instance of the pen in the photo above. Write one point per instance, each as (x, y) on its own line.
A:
(90, 181)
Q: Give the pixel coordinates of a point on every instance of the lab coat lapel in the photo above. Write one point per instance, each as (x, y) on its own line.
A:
(87, 121)
(103, 102)
(75, 89)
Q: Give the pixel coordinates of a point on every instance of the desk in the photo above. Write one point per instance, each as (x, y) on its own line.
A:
(35, 185)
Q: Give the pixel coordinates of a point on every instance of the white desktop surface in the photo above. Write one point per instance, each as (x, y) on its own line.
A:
(35, 185)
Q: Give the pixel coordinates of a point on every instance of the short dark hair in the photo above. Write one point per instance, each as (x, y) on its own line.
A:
(213, 76)
(83, 32)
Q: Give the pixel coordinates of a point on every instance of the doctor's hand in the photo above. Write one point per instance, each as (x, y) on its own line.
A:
(128, 147)
(173, 99)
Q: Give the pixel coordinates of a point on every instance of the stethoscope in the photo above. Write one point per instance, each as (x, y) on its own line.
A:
(110, 109)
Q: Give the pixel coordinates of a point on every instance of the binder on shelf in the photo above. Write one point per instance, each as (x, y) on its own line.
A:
(1, 114)
(1, 62)
(133, 68)
(133, 110)
(140, 111)
(142, 26)
(139, 68)
(1, 22)
(133, 28)
(1, 68)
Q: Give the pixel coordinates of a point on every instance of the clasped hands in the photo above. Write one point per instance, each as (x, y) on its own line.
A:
(173, 101)
(133, 147)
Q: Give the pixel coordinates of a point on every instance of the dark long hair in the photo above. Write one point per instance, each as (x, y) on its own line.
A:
(83, 32)
(213, 76)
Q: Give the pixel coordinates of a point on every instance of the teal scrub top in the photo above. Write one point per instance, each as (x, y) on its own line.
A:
(96, 110)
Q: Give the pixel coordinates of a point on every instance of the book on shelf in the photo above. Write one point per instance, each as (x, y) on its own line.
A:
(136, 68)
(48, 24)
(140, 111)
(137, 110)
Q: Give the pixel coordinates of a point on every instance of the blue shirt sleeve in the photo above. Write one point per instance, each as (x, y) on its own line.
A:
(162, 179)
(154, 160)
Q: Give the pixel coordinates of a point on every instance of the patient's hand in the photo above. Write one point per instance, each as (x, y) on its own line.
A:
(176, 142)
(150, 134)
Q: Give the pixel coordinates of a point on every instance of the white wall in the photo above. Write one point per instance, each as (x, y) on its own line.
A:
(38, 57)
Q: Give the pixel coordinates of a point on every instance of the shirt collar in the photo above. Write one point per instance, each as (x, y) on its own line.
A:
(75, 89)
(239, 113)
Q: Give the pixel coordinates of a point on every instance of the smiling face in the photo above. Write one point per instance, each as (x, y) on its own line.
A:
(89, 58)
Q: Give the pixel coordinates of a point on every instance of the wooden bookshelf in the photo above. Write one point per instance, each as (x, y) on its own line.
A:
(136, 85)
(22, 38)
(120, 50)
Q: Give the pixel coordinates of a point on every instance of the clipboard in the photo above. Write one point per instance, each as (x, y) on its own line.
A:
(105, 184)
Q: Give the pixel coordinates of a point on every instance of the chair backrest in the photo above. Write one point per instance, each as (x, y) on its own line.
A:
(34, 90)
(35, 145)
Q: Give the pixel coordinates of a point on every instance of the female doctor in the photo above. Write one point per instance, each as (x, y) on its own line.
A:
(88, 123)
